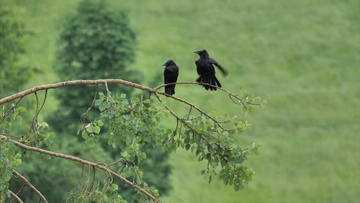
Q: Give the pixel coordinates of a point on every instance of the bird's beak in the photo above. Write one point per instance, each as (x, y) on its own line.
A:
(196, 52)
(164, 64)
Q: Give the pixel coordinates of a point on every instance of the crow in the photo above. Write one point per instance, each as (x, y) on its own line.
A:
(206, 70)
(171, 73)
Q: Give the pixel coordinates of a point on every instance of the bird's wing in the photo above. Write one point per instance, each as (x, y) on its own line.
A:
(166, 75)
(212, 61)
(175, 69)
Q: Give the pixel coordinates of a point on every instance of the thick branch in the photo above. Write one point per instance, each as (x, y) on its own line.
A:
(73, 158)
(106, 81)
(70, 83)
(15, 196)
(28, 184)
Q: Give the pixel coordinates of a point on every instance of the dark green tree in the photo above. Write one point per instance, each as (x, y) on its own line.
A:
(98, 42)
(95, 43)
(12, 44)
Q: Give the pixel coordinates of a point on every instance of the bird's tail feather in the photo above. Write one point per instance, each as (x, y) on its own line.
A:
(217, 82)
(212, 81)
(170, 89)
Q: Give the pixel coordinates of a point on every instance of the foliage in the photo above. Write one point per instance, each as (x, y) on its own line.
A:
(9, 155)
(9, 158)
(316, 101)
(98, 42)
(95, 43)
(13, 35)
(134, 125)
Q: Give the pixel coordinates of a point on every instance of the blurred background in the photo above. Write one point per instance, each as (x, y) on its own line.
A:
(302, 56)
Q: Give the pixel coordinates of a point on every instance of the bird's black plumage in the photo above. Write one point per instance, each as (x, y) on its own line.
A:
(206, 70)
(171, 74)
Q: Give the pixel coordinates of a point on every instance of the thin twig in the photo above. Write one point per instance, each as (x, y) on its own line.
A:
(106, 86)
(34, 121)
(88, 181)
(93, 180)
(189, 112)
(86, 114)
(73, 158)
(199, 110)
(42, 105)
(11, 109)
(17, 193)
(81, 178)
(28, 184)
(98, 185)
(196, 132)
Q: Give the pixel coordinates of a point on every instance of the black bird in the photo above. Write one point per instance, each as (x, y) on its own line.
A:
(171, 73)
(206, 70)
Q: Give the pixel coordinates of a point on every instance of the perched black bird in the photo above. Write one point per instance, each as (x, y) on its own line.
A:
(171, 73)
(206, 70)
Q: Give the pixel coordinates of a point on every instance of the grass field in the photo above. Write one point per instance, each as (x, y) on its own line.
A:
(303, 57)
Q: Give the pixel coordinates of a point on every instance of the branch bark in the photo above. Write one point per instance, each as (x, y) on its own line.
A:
(73, 158)
(70, 83)
(106, 81)
(15, 196)
(28, 184)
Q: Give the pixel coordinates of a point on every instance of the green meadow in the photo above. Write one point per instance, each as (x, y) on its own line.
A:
(302, 56)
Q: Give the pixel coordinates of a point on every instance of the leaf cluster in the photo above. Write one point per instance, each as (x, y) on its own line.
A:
(13, 36)
(9, 158)
(9, 155)
(134, 123)
(212, 142)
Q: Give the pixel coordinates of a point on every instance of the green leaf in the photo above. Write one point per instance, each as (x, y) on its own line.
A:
(155, 192)
(16, 162)
(187, 146)
(103, 106)
(123, 174)
(100, 123)
(84, 134)
(17, 156)
(114, 187)
(124, 154)
(21, 109)
(98, 102)
(91, 142)
(142, 156)
(96, 129)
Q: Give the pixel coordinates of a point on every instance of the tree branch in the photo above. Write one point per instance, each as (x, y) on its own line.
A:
(201, 135)
(70, 83)
(106, 81)
(199, 110)
(235, 98)
(15, 196)
(28, 184)
(73, 158)
(9, 111)
(231, 95)
(124, 82)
